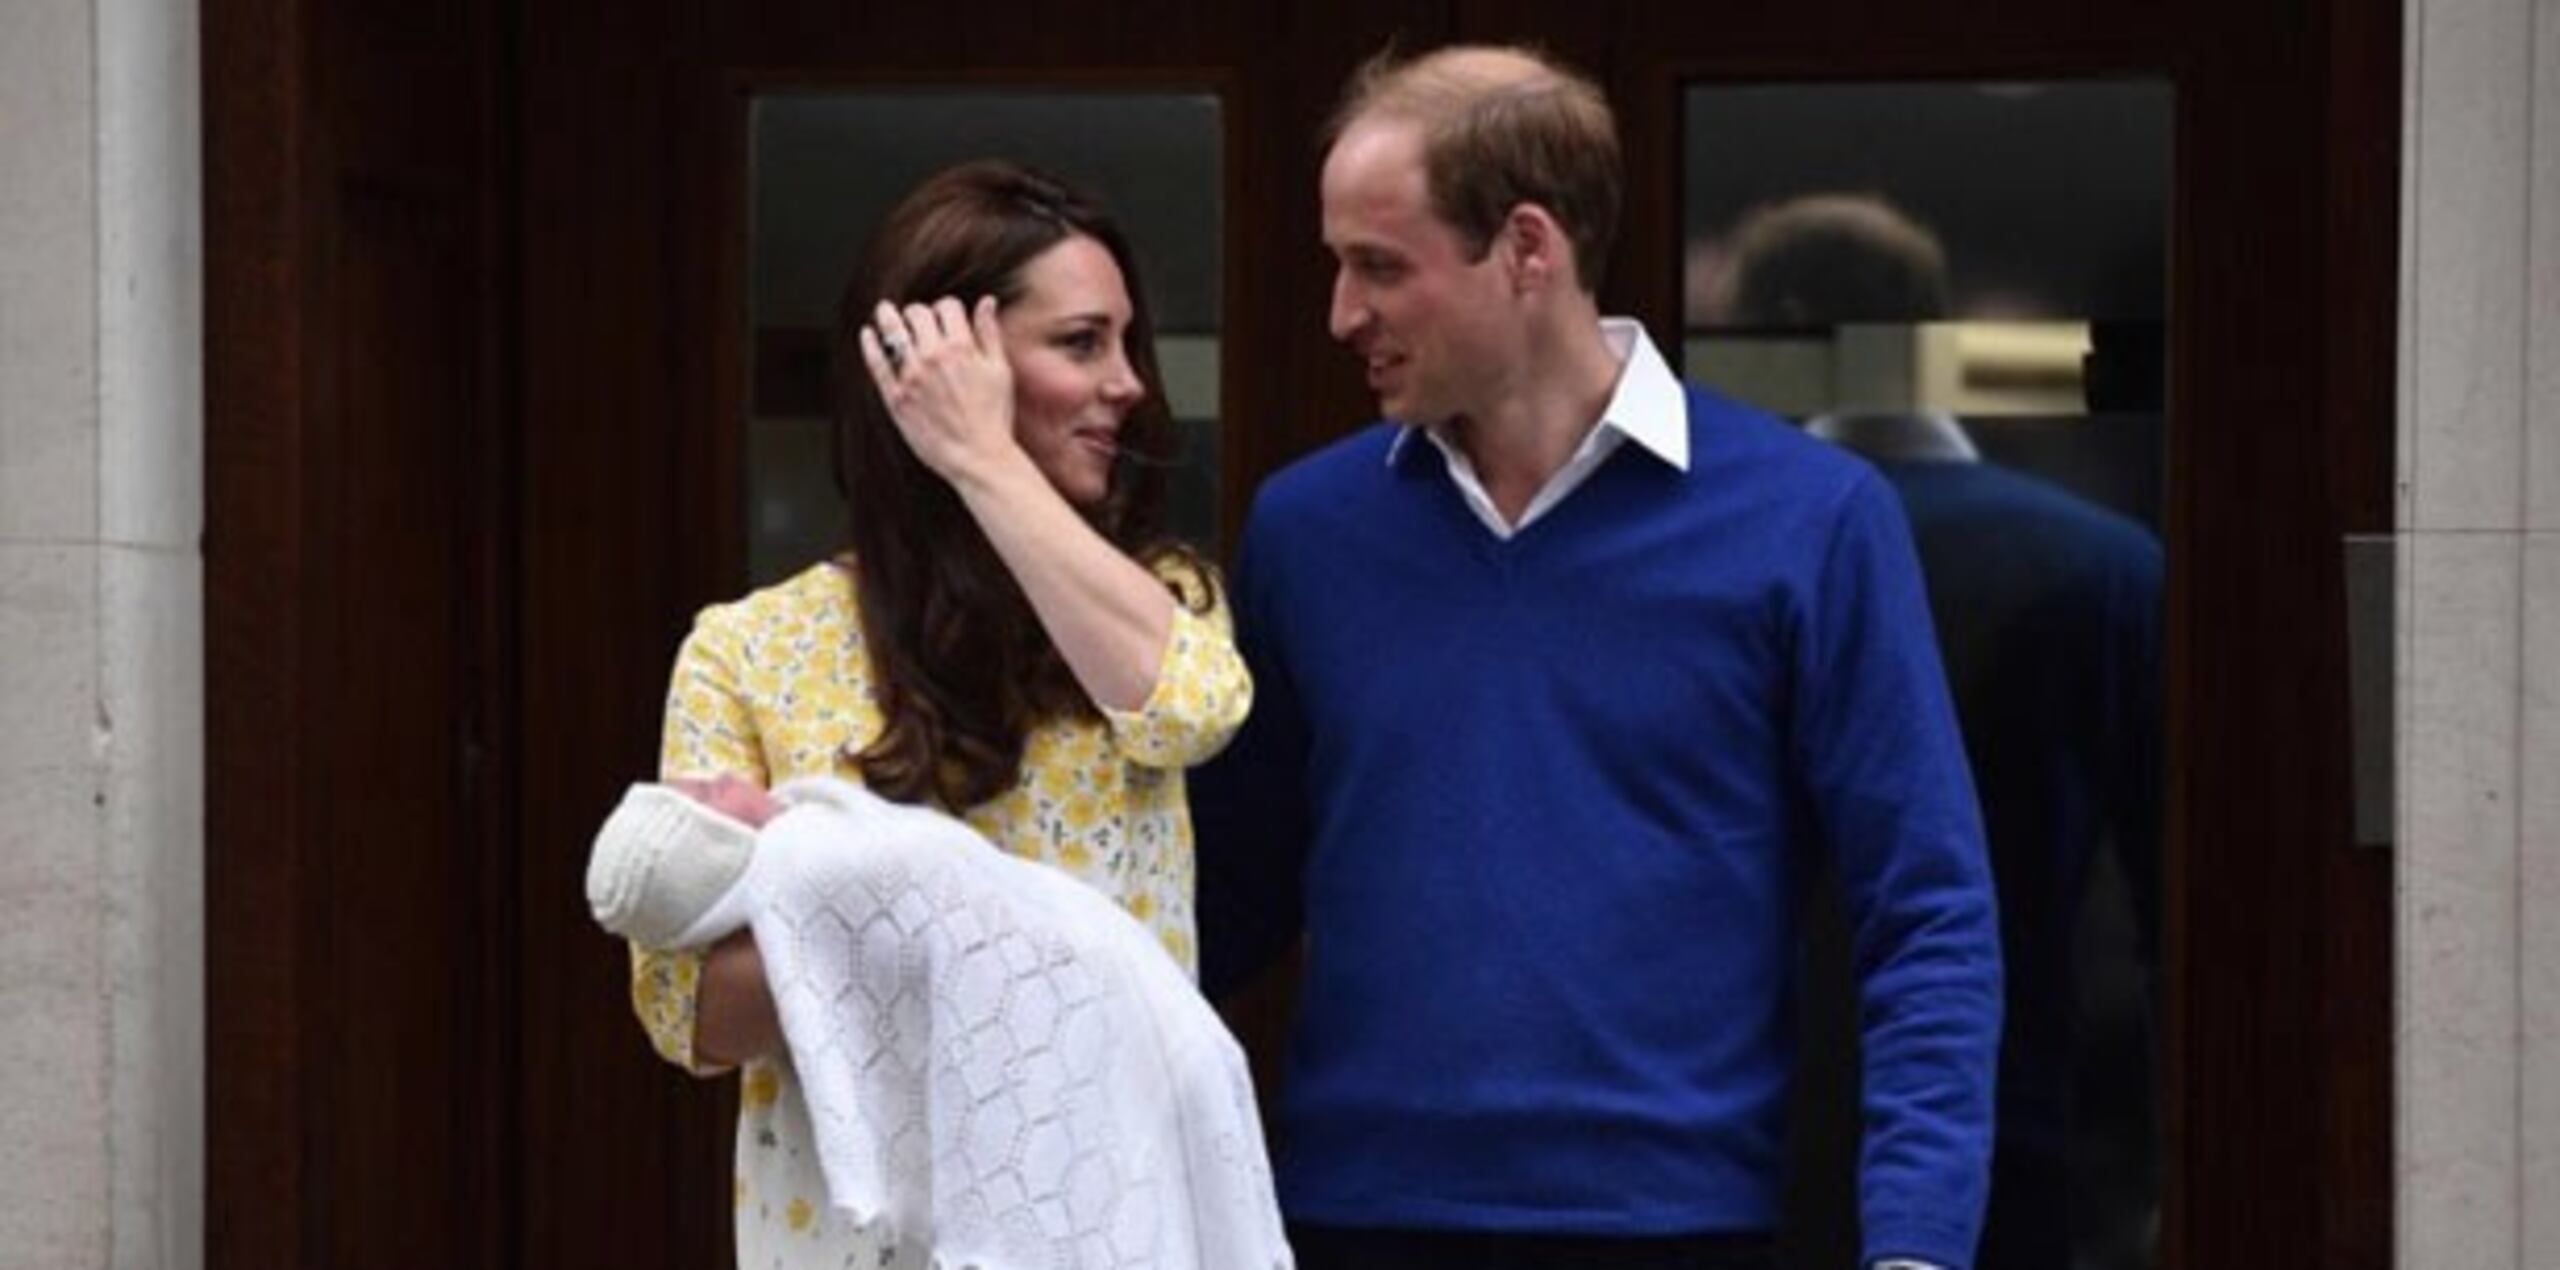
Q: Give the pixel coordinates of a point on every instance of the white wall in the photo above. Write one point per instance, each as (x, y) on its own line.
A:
(2478, 982)
(101, 647)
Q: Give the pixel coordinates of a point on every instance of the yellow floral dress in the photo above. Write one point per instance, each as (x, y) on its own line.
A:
(777, 685)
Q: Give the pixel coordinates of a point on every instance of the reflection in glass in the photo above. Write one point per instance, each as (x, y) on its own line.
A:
(1964, 285)
(827, 165)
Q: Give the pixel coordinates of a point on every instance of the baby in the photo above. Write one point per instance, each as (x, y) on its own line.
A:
(1002, 1068)
(669, 868)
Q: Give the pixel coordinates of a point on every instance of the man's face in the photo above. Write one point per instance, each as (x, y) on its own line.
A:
(1429, 323)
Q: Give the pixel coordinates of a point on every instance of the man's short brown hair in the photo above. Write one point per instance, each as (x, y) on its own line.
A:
(1501, 126)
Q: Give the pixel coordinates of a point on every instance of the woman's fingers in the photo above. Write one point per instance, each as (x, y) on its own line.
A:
(990, 335)
(926, 326)
(890, 333)
(944, 377)
(884, 373)
(953, 321)
(905, 335)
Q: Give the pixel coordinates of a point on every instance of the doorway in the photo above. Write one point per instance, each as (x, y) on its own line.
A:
(480, 393)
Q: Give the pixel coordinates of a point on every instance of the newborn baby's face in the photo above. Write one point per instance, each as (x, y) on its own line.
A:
(731, 795)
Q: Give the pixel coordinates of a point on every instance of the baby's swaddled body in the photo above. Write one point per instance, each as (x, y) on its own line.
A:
(1003, 1069)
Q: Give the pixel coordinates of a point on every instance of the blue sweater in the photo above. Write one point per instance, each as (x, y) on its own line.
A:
(1549, 803)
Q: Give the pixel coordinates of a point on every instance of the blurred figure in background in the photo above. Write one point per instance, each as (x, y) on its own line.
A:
(2047, 612)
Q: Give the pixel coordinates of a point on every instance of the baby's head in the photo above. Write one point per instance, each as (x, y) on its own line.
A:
(731, 795)
(669, 852)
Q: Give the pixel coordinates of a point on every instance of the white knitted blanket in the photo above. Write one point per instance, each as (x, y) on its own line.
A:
(1004, 1070)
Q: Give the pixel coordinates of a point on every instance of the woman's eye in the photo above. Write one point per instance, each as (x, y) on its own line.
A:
(1081, 343)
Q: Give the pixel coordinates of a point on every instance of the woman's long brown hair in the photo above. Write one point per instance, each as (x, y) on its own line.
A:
(961, 666)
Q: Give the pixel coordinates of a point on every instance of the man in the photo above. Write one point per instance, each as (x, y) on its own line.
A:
(1567, 678)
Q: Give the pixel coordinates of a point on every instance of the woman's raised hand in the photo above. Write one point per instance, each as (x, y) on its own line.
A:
(941, 370)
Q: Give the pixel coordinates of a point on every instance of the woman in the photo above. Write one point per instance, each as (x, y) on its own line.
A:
(1009, 634)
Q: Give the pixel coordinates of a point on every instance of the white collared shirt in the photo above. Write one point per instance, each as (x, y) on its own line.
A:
(1648, 407)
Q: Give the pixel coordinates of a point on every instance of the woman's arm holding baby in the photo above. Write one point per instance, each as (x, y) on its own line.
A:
(734, 1018)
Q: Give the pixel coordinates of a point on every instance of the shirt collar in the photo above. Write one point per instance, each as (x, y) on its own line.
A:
(1647, 407)
(1917, 436)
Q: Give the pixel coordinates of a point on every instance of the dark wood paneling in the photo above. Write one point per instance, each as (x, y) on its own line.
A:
(2247, 826)
(256, 143)
(393, 956)
(1289, 388)
(2281, 1033)
(625, 487)
(2360, 209)
(359, 1025)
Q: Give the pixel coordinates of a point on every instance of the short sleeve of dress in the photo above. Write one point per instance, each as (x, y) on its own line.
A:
(1202, 690)
(708, 730)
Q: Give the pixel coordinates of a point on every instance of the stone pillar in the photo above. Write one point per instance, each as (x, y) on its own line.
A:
(101, 645)
(2478, 984)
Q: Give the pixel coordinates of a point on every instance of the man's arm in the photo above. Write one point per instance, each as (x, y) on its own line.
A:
(1248, 806)
(1881, 758)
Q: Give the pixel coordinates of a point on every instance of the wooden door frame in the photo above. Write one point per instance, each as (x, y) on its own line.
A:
(2280, 936)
